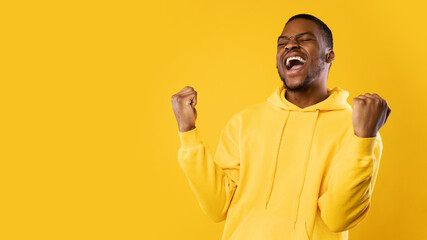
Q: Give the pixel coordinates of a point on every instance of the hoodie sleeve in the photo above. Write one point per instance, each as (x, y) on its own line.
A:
(347, 199)
(212, 179)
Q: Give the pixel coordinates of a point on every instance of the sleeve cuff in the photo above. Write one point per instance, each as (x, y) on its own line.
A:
(362, 146)
(189, 138)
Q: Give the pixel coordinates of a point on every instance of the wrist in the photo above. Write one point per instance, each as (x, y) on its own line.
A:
(364, 134)
(187, 128)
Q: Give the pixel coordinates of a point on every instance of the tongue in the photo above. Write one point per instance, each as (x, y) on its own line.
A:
(295, 64)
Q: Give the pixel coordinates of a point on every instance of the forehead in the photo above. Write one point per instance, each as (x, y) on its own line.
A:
(300, 25)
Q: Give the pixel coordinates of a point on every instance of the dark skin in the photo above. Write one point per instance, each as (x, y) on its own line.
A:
(307, 86)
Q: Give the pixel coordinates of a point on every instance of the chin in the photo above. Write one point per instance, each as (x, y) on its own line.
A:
(295, 81)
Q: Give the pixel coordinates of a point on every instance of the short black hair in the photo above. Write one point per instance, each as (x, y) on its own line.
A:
(326, 32)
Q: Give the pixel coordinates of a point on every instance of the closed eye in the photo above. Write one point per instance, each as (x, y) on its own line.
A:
(302, 40)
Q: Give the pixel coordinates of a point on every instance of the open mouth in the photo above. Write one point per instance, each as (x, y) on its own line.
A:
(294, 62)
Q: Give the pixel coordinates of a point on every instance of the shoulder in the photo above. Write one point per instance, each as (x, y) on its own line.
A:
(251, 113)
(245, 117)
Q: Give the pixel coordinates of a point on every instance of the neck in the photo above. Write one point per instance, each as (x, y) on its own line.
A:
(311, 95)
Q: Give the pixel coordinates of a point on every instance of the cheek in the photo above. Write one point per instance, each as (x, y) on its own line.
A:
(315, 58)
(281, 50)
(278, 58)
(278, 54)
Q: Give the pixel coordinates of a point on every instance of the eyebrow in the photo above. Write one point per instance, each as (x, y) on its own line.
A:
(298, 35)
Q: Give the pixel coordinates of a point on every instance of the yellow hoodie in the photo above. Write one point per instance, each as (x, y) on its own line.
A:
(285, 172)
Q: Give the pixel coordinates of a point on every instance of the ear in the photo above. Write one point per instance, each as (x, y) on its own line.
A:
(330, 56)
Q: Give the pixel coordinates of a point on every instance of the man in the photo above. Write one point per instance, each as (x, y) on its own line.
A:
(300, 165)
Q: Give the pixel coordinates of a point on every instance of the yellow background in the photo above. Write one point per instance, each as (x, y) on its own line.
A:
(88, 137)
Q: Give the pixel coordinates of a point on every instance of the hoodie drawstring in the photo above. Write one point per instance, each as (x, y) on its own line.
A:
(305, 165)
(273, 171)
(273, 174)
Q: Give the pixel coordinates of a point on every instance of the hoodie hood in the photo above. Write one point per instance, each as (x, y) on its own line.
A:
(337, 100)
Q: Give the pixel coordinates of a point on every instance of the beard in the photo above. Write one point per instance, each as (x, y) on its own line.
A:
(308, 79)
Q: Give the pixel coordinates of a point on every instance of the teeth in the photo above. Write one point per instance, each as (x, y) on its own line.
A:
(293, 58)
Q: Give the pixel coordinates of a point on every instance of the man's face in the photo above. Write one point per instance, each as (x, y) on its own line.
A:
(301, 38)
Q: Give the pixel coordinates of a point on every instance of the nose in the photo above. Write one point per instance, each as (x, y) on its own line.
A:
(293, 43)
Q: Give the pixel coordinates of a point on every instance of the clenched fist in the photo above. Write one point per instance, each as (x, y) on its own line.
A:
(370, 112)
(183, 104)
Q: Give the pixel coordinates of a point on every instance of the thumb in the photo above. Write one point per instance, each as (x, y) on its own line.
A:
(194, 100)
